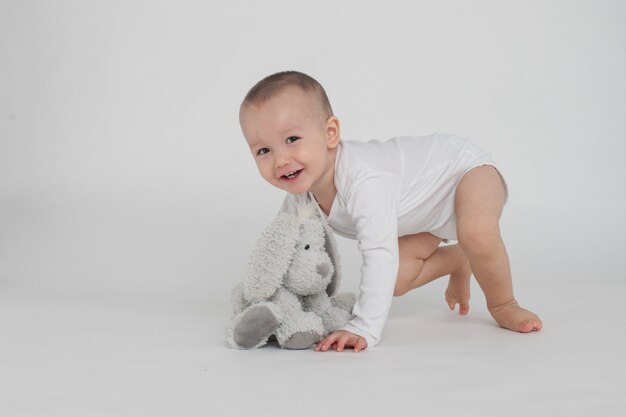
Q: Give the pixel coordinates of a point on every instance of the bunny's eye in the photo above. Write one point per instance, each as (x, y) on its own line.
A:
(307, 247)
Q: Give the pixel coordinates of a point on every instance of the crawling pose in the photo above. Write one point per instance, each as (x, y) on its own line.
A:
(398, 198)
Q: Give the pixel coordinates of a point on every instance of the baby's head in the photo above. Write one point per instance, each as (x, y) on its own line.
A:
(292, 133)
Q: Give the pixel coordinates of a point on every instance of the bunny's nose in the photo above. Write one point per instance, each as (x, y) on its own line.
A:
(323, 269)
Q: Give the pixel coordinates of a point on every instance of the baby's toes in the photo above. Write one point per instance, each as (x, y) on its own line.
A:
(525, 327)
(536, 325)
(464, 307)
(530, 325)
(451, 299)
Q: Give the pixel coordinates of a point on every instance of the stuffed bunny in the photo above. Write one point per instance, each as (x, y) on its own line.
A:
(289, 291)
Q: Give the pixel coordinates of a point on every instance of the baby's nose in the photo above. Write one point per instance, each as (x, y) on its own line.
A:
(281, 161)
(281, 157)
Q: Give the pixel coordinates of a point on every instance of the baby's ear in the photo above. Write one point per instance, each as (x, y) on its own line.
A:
(271, 258)
(332, 132)
(333, 253)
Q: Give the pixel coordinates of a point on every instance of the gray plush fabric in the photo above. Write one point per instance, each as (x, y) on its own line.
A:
(289, 290)
(301, 340)
(258, 323)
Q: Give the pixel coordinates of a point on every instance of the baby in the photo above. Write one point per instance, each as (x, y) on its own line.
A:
(399, 199)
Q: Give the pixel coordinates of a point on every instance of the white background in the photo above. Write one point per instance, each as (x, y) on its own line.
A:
(129, 202)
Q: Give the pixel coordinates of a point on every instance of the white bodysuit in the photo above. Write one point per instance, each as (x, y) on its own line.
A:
(385, 190)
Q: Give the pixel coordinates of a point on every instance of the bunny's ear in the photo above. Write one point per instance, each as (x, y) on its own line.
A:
(331, 248)
(307, 211)
(271, 258)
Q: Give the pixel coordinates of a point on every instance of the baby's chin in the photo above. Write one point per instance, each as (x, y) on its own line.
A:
(295, 189)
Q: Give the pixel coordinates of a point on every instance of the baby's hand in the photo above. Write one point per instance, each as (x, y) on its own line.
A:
(340, 339)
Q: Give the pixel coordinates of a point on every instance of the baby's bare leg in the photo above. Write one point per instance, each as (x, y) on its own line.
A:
(422, 261)
(413, 251)
(478, 206)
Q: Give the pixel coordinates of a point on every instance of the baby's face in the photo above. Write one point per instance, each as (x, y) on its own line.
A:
(290, 140)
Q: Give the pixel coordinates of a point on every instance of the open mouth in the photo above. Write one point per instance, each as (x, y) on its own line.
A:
(291, 175)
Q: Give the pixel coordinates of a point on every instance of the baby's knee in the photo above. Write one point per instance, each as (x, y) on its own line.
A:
(479, 238)
(400, 289)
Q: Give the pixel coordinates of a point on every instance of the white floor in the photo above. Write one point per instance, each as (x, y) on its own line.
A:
(81, 354)
(118, 306)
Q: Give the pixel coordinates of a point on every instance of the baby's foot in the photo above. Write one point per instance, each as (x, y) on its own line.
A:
(458, 291)
(513, 317)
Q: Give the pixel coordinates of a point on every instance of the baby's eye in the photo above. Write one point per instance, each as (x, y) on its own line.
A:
(262, 151)
(292, 139)
(307, 247)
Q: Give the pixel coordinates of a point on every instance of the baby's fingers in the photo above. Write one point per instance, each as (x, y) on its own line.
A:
(360, 345)
(340, 339)
(327, 342)
(343, 340)
(351, 340)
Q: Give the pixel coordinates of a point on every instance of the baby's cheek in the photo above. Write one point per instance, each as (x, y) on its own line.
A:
(265, 173)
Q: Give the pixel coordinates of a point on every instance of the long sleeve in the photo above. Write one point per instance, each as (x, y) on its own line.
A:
(372, 204)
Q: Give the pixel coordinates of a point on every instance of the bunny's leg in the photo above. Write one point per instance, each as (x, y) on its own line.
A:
(333, 317)
(344, 301)
(299, 329)
(252, 326)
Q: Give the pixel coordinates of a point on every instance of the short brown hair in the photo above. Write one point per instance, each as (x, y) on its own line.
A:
(273, 84)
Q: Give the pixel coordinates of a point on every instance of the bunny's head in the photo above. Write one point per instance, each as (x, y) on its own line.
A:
(297, 252)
